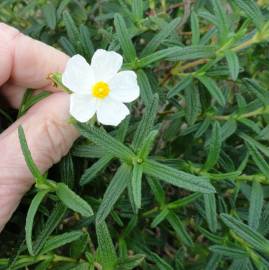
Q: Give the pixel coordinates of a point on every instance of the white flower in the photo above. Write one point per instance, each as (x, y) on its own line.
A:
(100, 88)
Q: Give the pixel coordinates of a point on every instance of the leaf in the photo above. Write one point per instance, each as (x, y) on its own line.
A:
(177, 178)
(146, 124)
(183, 201)
(213, 262)
(67, 171)
(214, 148)
(147, 145)
(213, 89)
(223, 23)
(256, 204)
(93, 171)
(71, 200)
(195, 29)
(258, 159)
(157, 56)
(53, 221)
(86, 43)
(264, 149)
(184, 83)
(145, 87)
(233, 64)
(136, 184)
(192, 53)
(61, 240)
(211, 211)
(106, 141)
(251, 9)
(49, 12)
(232, 252)
(179, 228)
(255, 239)
(124, 38)
(159, 218)
(157, 190)
(117, 185)
(156, 41)
(106, 250)
(30, 218)
(193, 104)
(130, 262)
(28, 157)
(138, 9)
(71, 28)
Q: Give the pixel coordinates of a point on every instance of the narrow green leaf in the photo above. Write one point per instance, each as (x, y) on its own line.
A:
(124, 38)
(211, 211)
(193, 104)
(158, 56)
(93, 171)
(106, 141)
(138, 9)
(67, 171)
(258, 159)
(117, 185)
(256, 205)
(28, 157)
(145, 87)
(255, 239)
(147, 145)
(214, 148)
(146, 124)
(30, 218)
(233, 64)
(53, 221)
(71, 28)
(49, 12)
(251, 9)
(213, 89)
(213, 262)
(130, 262)
(184, 83)
(195, 29)
(157, 190)
(61, 240)
(264, 149)
(106, 251)
(71, 200)
(232, 252)
(159, 218)
(86, 43)
(179, 228)
(184, 201)
(136, 182)
(156, 41)
(177, 178)
(222, 19)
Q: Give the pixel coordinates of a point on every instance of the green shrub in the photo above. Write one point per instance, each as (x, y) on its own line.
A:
(182, 182)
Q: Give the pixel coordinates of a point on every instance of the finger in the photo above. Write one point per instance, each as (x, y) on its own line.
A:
(26, 62)
(49, 136)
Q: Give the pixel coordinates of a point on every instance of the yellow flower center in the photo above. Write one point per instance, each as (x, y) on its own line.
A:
(100, 89)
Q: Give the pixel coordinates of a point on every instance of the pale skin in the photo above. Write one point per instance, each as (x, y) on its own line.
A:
(26, 63)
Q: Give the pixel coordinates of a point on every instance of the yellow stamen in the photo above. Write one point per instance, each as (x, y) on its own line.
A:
(100, 90)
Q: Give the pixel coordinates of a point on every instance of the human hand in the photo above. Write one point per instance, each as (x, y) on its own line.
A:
(26, 63)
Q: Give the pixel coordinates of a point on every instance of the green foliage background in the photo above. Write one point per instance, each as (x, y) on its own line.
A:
(183, 182)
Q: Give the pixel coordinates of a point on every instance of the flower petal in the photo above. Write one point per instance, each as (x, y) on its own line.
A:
(106, 64)
(124, 86)
(78, 75)
(82, 107)
(111, 112)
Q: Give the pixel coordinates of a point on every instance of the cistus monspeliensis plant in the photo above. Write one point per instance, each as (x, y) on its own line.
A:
(171, 99)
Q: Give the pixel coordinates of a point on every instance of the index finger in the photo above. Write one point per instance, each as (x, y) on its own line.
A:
(26, 62)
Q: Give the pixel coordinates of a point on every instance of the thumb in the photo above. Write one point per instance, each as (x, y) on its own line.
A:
(49, 136)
